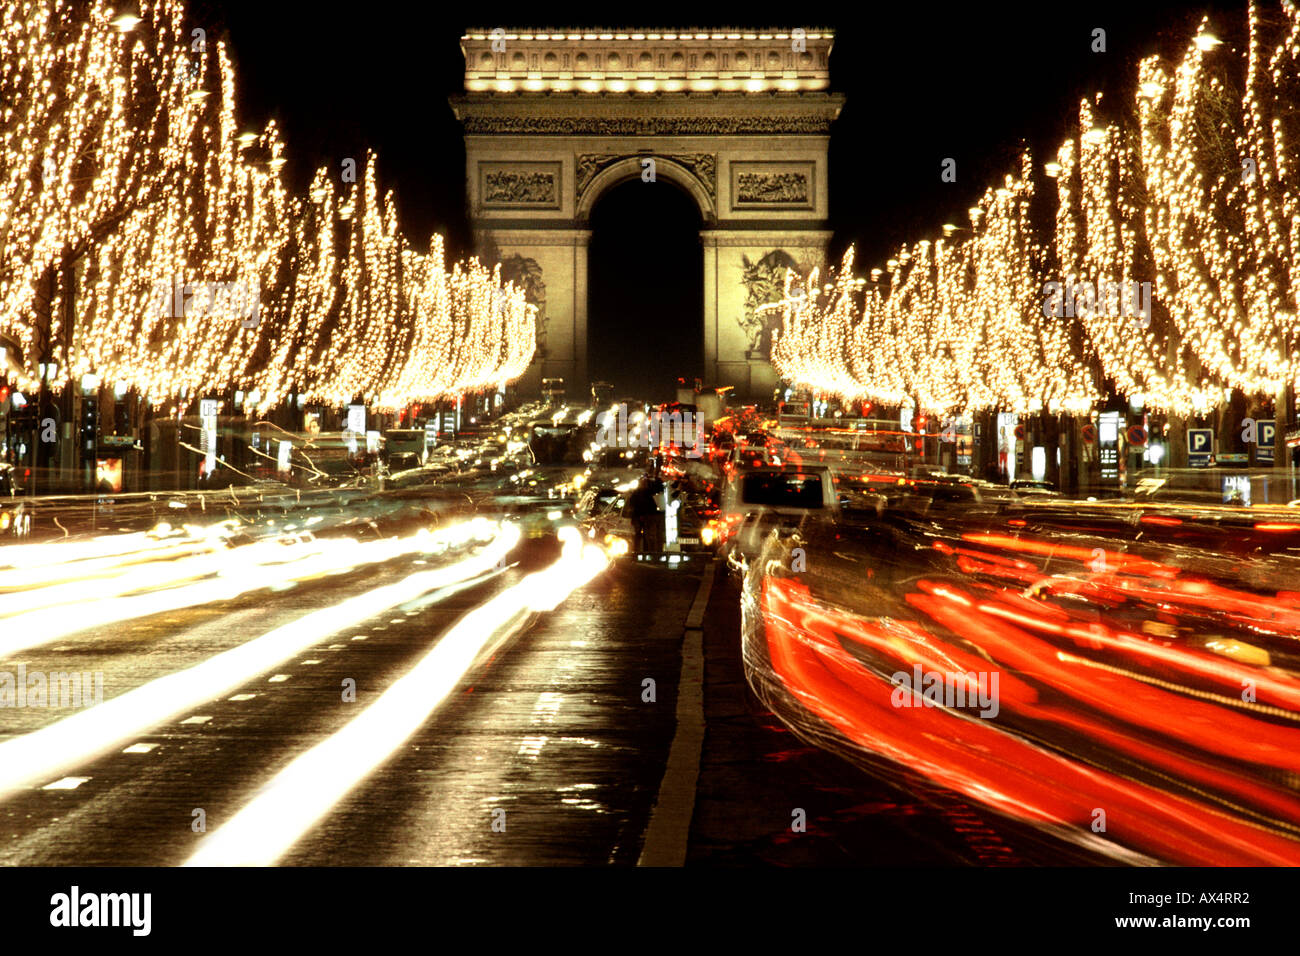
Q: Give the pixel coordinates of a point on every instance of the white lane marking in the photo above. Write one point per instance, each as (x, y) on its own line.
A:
(198, 719)
(242, 697)
(67, 783)
(140, 748)
(278, 679)
(548, 705)
(531, 747)
(670, 821)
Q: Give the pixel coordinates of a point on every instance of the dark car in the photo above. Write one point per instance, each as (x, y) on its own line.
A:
(15, 519)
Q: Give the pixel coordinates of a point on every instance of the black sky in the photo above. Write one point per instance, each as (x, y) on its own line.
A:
(924, 81)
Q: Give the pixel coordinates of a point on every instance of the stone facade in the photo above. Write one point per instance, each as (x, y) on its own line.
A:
(744, 135)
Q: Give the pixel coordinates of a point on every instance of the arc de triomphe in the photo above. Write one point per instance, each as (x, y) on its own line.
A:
(739, 120)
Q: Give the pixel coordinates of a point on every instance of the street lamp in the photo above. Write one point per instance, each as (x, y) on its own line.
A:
(126, 21)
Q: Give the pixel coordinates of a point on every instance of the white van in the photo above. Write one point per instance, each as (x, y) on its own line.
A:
(761, 499)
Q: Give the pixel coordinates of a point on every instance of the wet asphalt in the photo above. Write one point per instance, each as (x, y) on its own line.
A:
(552, 751)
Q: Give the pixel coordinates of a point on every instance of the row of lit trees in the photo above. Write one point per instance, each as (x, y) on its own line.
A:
(1195, 191)
(146, 241)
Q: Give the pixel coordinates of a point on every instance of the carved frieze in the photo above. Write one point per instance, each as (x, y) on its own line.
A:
(818, 122)
(772, 185)
(520, 185)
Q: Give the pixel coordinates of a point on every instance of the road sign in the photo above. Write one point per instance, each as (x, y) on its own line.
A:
(1200, 446)
(1089, 432)
(1266, 436)
(1108, 452)
(357, 419)
(1136, 435)
(1020, 432)
(448, 424)
(208, 433)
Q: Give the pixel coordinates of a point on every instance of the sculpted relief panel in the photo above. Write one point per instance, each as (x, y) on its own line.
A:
(520, 185)
(772, 185)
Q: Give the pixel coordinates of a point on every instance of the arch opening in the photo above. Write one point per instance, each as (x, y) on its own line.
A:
(645, 288)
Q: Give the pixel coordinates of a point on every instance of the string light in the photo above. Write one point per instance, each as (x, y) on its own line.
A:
(131, 200)
(1199, 200)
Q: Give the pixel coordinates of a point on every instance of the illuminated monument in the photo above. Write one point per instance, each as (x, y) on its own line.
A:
(739, 120)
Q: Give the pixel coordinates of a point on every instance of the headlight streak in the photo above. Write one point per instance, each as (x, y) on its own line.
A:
(41, 618)
(305, 791)
(40, 755)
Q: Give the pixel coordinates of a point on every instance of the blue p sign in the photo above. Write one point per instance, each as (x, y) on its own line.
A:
(1200, 445)
(1267, 441)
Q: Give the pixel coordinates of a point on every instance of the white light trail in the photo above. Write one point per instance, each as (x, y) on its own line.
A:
(39, 755)
(43, 616)
(306, 790)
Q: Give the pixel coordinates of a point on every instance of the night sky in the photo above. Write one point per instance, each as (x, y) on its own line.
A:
(924, 81)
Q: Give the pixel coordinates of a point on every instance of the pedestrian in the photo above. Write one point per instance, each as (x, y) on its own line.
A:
(643, 512)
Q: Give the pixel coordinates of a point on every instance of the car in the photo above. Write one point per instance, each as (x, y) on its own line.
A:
(938, 494)
(15, 518)
(760, 500)
(403, 461)
(1029, 486)
(599, 512)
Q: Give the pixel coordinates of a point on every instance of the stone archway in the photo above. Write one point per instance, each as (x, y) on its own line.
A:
(740, 121)
(599, 172)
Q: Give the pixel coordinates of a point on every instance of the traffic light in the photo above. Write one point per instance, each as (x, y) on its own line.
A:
(89, 426)
(23, 419)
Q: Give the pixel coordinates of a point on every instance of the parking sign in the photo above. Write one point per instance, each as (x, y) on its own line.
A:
(1266, 436)
(1200, 446)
